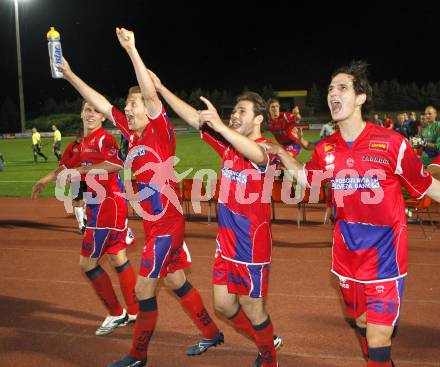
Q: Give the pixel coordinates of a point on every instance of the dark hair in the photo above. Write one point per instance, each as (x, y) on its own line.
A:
(358, 70)
(272, 100)
(259, 105)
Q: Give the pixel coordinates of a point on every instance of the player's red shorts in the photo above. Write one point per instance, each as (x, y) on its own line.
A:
(98, 241)
(381, 301)
(245, 279)
(293, 149)
(165, 250)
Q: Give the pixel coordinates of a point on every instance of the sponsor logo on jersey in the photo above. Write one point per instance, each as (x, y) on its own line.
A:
(329, 147)
(368, 158)
(378, 145)
(234, 176)
(355, 183)
(350, 162)
(329, 158)
(139, 151)
(380, 288)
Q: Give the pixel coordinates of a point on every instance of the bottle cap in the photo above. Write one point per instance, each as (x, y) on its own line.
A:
(53, 34)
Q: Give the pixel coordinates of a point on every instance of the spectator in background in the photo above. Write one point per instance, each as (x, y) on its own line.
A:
(413, 128)
(377, 120)
(405, 129)
(430, 136)
(398, 126)
(388, 122)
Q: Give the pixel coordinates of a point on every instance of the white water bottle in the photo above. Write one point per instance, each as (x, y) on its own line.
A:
(55, 52)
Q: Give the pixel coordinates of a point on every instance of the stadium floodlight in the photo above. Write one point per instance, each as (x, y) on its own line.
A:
(20, 73)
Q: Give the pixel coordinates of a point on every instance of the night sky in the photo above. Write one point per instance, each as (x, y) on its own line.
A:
(286, 44)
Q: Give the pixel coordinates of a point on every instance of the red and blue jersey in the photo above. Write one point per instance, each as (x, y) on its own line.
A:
(281, 128)
(244, 233)
(370, 236)
(110, 209)
(151, 159)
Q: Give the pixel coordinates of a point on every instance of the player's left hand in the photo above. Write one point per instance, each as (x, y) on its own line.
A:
(270, 148)
(211, 117)
(126, 38)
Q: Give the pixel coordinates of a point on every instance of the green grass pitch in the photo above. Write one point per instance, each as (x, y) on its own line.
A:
(20, 174)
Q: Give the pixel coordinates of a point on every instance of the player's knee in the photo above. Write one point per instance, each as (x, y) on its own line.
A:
(227, 309)
(378, 337)
(119, 259)
(87, 264)
(361, 321)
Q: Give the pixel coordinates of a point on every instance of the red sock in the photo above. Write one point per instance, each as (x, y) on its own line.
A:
(127, 282)
(144, 328)
(264, 340)
(103, 287)
(243, 324)
(363, 337)
(192, 303)
(379, 364)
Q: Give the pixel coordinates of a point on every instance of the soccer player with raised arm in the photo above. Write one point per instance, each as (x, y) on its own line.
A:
(106, 231)
(152, 145)
(244, 241)
(366, 164)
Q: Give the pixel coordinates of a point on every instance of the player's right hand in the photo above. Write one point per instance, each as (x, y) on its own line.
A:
(38, 187)
(156, 81)
(65, 67)
(125, 38)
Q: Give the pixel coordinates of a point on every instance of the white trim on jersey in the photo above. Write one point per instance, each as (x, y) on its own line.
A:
(188, 255)
(258, 168)
(397, 246)
(100, 142)
(400, 156)
(367, 281)
(242, 262)
(114, 164)
(160, 112)
(400, 304)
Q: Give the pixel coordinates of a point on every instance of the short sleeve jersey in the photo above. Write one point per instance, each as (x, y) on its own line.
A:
(151, 159)
(244, 233)
(57, 136)
(36, 138)
(370, 237)
(281, 128)
(111, 212)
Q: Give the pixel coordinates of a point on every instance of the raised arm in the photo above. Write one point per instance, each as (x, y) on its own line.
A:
(152, 101)
(247, 147)
(189, 114)
(88, 93)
